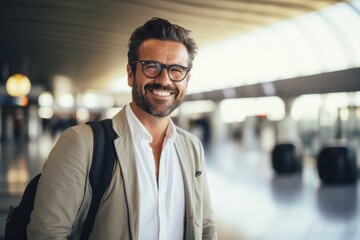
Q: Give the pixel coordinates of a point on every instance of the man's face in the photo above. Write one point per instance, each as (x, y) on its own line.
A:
(159, 96)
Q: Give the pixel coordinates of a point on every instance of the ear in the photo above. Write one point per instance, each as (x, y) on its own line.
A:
(130, 75)
(188, 77)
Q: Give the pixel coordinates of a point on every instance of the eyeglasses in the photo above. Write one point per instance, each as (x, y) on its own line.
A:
(153, 69)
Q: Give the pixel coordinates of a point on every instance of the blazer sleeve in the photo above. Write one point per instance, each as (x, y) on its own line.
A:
(60, 191)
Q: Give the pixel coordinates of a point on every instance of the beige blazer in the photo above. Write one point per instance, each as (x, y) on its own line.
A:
(64, 193)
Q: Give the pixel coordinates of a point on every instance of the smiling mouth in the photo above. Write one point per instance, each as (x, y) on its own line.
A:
(161, 93)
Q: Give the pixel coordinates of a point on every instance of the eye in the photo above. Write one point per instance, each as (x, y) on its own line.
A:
(177, 69)
(151, 65)
(151, 68)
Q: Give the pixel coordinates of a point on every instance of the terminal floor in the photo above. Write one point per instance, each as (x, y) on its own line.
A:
(250, 202)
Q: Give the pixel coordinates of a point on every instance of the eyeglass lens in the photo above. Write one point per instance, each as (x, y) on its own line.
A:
(153, 69)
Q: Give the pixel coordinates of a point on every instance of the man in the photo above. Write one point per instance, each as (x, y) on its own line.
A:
(159, 188)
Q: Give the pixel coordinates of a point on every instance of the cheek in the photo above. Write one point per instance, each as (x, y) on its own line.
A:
(182, 87)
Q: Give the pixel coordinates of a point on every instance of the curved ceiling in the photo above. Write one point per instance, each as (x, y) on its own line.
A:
(86, 41)
(317, 52)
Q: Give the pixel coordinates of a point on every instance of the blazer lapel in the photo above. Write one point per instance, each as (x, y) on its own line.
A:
(125, 152)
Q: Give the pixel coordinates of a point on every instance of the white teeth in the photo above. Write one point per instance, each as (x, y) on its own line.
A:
(161, 93)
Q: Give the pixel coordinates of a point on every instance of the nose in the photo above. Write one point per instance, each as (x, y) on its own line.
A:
(164, 76)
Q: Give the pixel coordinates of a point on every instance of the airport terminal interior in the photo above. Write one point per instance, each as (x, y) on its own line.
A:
(274, 97)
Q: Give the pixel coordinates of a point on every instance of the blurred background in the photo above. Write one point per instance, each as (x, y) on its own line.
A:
(274, 96)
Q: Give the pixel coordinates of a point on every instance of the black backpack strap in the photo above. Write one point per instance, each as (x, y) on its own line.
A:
(101, 169)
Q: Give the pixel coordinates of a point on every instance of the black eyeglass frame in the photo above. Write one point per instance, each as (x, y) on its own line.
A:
(162, 66)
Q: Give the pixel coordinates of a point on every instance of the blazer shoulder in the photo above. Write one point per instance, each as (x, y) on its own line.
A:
(190, 143)
(187, 136)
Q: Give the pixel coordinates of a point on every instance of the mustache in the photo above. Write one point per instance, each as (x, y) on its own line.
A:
(157, 86)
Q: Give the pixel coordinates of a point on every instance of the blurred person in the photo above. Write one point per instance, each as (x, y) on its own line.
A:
(159, 186)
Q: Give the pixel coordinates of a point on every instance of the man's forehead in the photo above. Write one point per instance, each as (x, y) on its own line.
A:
(161, 48)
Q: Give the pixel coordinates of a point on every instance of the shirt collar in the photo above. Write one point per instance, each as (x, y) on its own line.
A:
(171, 132)
(138, 129)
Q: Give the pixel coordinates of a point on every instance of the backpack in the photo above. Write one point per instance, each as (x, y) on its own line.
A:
(99, 176)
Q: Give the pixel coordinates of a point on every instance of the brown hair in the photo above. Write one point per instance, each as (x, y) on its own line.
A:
(161, 29)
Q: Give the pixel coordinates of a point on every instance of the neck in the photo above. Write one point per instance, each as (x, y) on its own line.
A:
(155, 125)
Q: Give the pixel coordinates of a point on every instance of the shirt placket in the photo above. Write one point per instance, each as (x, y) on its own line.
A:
(162, 191)
(150, 158)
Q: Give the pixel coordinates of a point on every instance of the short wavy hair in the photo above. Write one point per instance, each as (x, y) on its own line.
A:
(161, 29)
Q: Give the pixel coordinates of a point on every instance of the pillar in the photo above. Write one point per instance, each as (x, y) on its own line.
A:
(219, 129)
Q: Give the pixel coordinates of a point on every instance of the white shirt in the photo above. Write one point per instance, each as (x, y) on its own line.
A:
(162, 204)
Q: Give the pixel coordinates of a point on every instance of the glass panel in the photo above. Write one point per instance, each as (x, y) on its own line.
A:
(330, 52)
(346, 21)
(299, 47)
